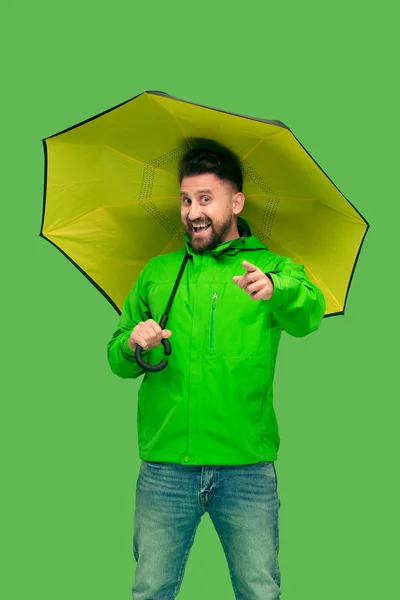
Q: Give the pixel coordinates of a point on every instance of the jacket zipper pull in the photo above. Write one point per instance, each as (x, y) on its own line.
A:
(214, 303)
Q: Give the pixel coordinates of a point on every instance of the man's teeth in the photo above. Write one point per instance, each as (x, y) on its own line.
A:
(198, 227)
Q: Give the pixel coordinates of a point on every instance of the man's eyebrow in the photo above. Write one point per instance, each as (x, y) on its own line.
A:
(197, 193)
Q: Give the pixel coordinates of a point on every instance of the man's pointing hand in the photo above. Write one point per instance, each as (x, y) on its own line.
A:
(256, 283)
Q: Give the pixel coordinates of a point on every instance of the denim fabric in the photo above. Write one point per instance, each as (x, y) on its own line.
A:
(243, 505)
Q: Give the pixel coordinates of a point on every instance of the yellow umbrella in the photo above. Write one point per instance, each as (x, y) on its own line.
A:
(112, 194)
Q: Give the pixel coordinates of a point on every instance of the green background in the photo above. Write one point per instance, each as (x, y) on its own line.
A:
(68, 426)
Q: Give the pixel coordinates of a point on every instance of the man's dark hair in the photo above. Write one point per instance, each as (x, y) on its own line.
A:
(208, 156)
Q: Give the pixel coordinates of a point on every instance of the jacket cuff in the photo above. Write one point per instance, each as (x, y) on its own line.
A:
(278, 297)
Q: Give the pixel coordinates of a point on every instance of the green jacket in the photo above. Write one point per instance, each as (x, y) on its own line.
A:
(213, 403)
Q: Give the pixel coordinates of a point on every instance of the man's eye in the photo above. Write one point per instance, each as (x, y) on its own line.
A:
(205, 198)
(186, 201)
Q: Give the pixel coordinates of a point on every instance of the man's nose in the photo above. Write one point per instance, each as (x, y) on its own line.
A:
(194, 212)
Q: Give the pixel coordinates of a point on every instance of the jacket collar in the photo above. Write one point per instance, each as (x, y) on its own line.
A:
(246, 241)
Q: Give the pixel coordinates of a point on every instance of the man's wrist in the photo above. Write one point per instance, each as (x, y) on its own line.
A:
(126, 349)
(130, 346)
(276, 299)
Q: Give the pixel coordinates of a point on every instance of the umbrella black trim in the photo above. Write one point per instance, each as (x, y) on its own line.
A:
(45, 186)
(357, 211)
(41, 234)
(165, 95)
(104, 112)
(355, 264)
(96, 285)
(327, 176)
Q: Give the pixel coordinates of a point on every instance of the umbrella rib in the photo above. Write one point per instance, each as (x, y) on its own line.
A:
(139, 161)
(304, 198)
(354, 218)
(245, 157)
(50, 232)
(322, 286)
(172, 115)
(140, 201)
(131, 203)
(131, 158)
(277, 124)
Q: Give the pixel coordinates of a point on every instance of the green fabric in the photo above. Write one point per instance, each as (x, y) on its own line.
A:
(213, 404)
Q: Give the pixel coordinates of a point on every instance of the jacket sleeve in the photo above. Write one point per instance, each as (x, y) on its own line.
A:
(297, 304)
(120, 357)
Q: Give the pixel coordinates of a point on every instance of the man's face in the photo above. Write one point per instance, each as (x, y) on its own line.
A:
(208, 201)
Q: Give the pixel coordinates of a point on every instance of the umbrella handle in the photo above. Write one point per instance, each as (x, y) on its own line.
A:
(153, 368)
(167, 346)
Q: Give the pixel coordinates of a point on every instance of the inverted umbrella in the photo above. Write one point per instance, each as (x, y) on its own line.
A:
(112, 194)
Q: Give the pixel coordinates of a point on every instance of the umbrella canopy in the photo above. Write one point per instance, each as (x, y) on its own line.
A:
(112, 194)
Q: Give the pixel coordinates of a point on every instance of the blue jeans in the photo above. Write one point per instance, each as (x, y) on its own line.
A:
(243, 504)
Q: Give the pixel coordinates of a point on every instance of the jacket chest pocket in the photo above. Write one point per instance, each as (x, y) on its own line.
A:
(238, 326)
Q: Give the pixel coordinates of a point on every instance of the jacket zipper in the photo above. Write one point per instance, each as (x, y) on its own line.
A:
(212, 330)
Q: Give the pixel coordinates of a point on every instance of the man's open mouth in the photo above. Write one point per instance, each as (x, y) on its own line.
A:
(201, 228)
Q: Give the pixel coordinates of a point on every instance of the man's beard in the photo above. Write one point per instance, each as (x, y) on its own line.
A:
(212, 241)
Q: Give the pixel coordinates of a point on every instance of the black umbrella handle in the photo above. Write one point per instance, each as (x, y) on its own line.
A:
(167, 346)
(153, 368)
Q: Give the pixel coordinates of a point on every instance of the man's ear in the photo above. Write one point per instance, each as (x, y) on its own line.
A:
(238, 203)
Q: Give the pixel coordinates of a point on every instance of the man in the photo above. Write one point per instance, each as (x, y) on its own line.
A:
(207, 431)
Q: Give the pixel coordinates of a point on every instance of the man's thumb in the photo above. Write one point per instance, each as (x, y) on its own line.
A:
(166, 333)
